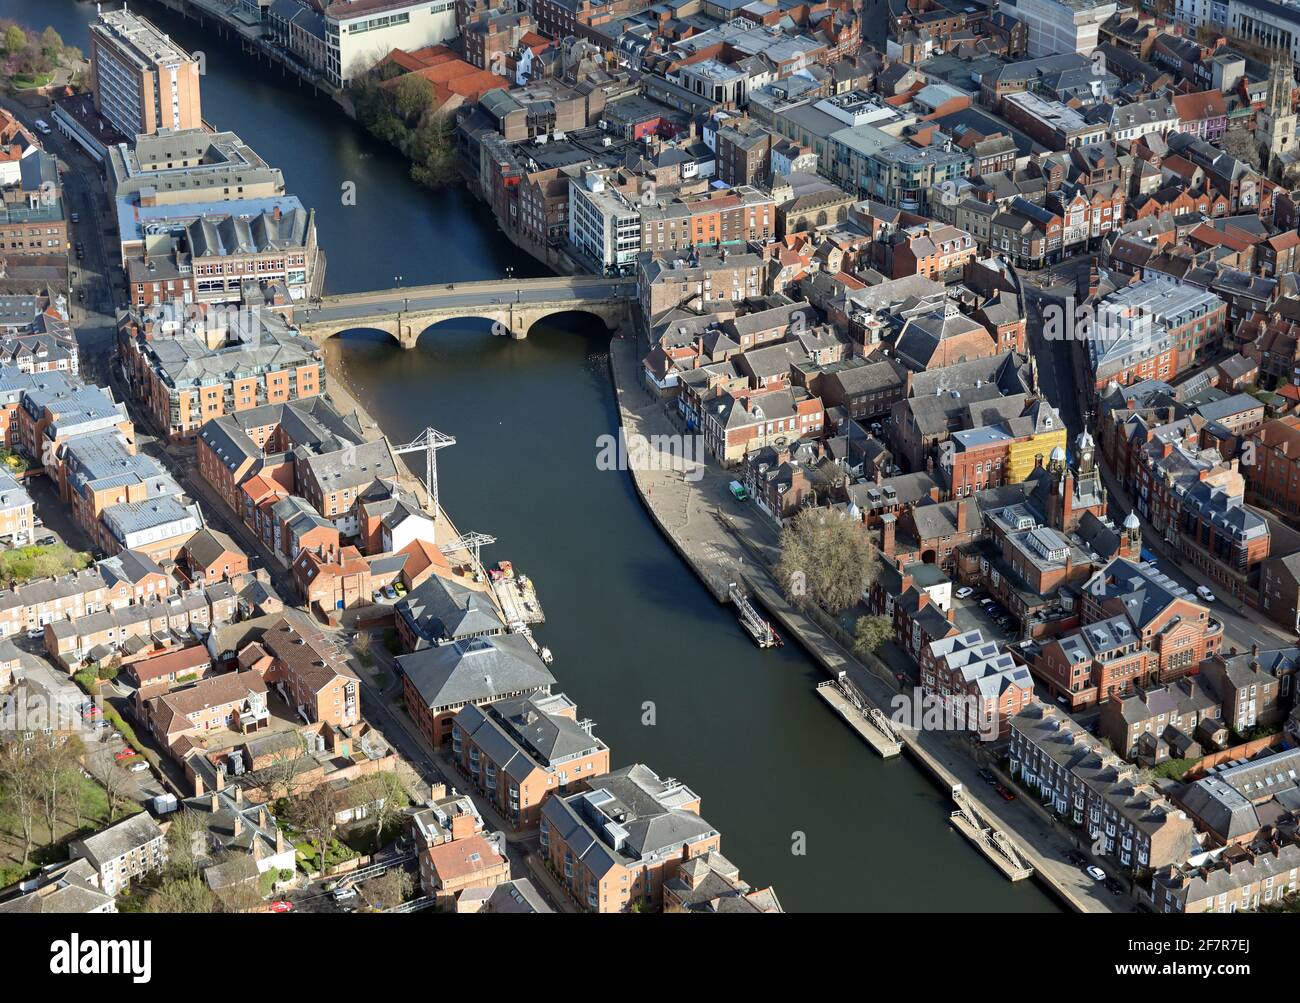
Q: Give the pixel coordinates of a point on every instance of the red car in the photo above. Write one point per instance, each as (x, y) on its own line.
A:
(126, 753)
(282, 905)
(1006, 794)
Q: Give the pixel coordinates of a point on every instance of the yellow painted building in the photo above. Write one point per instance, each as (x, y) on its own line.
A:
(1022, 455)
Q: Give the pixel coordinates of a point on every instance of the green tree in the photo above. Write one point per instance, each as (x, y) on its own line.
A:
(52, 44)
(413, 96)
(15, 40)
(870, 632)
(826, 558)
(182, 895)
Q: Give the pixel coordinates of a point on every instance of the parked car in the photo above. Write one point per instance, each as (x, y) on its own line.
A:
(965, 592)
(987, 776)
(1204, 593)
(1005, 793)
(75, 217)
(1095, 872)
(282, 905)
(1076, 858)
(389, 592)
(139, 767)
(124, 753)
(344, 894)
(1113, 886)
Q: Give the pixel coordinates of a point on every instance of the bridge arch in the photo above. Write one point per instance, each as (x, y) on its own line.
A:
(595, 313)
(370, 331)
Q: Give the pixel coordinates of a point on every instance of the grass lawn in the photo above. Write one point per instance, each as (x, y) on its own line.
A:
(335, 855)
(22, 82)
(49, 849)
(21, 564)
(1173, 769)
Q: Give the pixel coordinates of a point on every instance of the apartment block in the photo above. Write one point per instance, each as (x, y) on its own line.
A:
(615, 846)
(144, 82)
(520, 752)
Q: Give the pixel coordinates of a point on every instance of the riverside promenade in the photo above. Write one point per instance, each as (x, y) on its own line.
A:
(724, 541)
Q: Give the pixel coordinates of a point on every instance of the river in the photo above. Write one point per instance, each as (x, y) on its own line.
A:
(629, 623)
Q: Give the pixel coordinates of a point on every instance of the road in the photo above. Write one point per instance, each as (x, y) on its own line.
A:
(97, 279)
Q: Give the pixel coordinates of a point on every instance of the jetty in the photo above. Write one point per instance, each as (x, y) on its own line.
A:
(990, 840)
(860, 715)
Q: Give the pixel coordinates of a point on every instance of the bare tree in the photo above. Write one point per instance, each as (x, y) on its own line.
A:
(55, 760)
(114, 782)
(20, 785)
(283, 777)
(186, 844)
(826, 557)
(389, 889)
(314, 813)
(385, 795)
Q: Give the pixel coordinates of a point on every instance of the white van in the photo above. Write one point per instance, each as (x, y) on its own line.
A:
(42, 127)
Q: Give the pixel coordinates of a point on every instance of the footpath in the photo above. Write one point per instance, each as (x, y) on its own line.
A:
(725, 541)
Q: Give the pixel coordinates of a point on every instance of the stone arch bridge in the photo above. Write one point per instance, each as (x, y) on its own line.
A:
(514, 304)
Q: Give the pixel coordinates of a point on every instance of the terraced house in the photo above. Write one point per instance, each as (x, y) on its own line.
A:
(1127, 818)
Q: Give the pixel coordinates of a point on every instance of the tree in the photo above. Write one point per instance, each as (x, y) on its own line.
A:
(283, 777)
(385, 795)
(114, 781)
(182, 895)
(56, 762)
(388, 890)
(20, 785)
(827, 558)
(870, 632)
(433, 150)
(186, 844)
(15, 40)
(52, 44)
(314, 814)
(412, 96)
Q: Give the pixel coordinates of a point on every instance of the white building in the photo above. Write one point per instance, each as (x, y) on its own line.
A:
(127, 850)
(604, 226)
(361, 32)
(1057, 26)
(1268, 23)
(1195, 13)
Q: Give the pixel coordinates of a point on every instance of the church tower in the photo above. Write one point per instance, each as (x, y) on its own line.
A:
(1277, 120)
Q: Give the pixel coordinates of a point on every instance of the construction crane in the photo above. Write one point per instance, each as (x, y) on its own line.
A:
(472, 542)
(429, 442)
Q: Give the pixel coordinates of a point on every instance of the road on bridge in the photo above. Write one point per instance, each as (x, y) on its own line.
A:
(467, 296)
